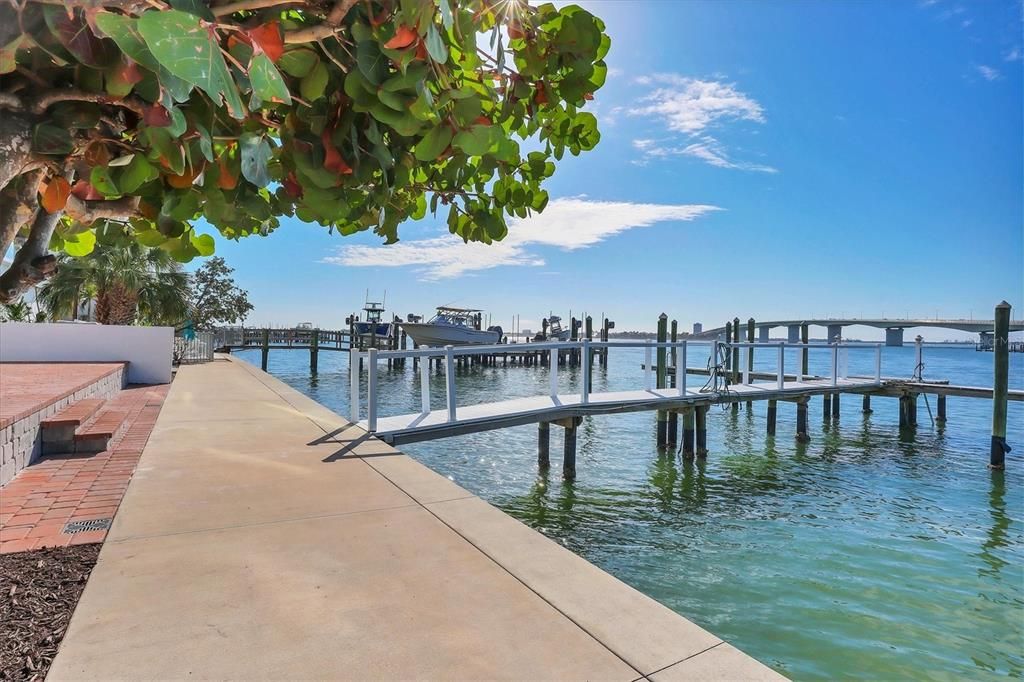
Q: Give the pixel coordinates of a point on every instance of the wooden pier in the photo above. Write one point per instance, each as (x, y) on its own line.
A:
(665, 390)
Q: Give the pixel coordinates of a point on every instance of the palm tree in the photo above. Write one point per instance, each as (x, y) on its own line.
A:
(130, 282)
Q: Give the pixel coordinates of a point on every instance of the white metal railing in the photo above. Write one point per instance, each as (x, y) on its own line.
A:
(838, 367)
(450, 353)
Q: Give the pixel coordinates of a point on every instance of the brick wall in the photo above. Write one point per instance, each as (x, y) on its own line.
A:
(20, 442)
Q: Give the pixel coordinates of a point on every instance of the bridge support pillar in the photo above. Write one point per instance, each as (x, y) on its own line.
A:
(701, 430)
(772, 413)
(764, 334)
(793, 333)
(544, 445)
(866, 404)
(894, 337)
(801, 422)
(835, 333)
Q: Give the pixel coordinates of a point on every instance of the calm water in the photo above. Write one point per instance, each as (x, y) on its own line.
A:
(865, 553)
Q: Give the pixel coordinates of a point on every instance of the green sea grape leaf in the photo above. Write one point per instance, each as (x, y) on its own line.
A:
(190, 51)
(256, 154)
(267, 82)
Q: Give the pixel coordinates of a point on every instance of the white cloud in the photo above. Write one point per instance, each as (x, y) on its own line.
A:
(988, 73)
(569, 224)
(1013, 55)
(707, 149)
(690, 105)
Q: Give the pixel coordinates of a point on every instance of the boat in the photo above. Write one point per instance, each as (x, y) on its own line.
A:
(452, 327)
(553, 330)
(373, 327)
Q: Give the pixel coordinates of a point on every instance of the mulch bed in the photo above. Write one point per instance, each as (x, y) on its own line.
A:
(38, 594)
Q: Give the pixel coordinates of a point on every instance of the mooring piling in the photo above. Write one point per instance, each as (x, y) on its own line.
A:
(826, 407)
(569, 449)
(940, 416)
(544, 444)
(660, 374)
(689, 423)
(866, 404)
(750, 352)
(772, 413)
(265, 350)
(701, 430)
(805, 351)
(673, 416)
(1000, 385)
(314, 350)
(835, 406)
(801, 421)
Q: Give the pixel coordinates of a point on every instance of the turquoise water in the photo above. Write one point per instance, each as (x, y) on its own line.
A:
(866, 553)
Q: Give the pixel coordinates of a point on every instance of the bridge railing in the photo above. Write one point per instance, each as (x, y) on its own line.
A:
(586, 348)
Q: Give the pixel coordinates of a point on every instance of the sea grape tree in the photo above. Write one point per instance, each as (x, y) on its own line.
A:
(129, 120)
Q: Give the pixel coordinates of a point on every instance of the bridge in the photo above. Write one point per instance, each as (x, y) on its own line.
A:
(893, 327)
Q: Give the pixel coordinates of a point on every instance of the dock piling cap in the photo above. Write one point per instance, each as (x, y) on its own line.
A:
(1004, 304)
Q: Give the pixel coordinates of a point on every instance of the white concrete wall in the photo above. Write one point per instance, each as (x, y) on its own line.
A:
(148, 350)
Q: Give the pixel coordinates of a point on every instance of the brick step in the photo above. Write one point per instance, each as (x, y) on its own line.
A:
(95, 435)
(57, 433)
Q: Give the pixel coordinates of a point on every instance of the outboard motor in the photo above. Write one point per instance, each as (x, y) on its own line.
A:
(496, 328)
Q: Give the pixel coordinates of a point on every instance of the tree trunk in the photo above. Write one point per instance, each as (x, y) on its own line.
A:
(117, 304)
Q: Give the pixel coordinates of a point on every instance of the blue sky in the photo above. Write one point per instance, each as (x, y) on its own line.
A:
(766, 159)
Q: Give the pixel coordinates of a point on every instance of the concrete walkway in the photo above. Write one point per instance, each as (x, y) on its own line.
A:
(264, 537)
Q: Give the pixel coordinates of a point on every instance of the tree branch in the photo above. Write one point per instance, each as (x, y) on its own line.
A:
(9, 100)
(45, 101)
(330, 27)
(33, 263)
(88, 212)
(16, 155)
(243, 5)
(18, 207)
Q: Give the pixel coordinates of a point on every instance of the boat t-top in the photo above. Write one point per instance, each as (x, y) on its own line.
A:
(452, 327)
(553, 330)
(373, 327)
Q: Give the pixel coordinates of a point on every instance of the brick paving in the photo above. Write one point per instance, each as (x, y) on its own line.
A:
(39, 501)
(27, 386)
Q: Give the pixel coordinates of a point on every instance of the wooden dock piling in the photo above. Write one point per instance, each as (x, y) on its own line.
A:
(314, 350)
(544, 445)
(689, 432)
(569, 449)
(940, 416)
(805, 351)
(826, 407)
(1000, 385)
(772, 414)
(750, 351)
(728, 355)
(801, 421)
(701, 430)
(835, 406)
(265, 350)
(866, 404)
(661, 374)
(673, 416)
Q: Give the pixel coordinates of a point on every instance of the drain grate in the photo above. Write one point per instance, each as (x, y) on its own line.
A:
(90, 524)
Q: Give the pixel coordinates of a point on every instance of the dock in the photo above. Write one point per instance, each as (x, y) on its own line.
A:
(264, 537)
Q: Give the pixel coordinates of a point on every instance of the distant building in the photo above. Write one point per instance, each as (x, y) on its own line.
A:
(698, 328)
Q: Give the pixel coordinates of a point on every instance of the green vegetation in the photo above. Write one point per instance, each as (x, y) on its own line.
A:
(129, 119)
(129, 282)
